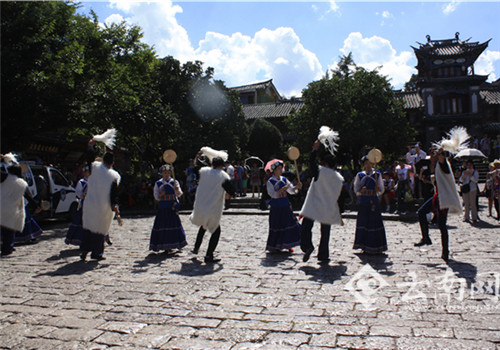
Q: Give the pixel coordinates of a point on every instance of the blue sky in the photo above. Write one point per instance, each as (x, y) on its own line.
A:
(296, 42)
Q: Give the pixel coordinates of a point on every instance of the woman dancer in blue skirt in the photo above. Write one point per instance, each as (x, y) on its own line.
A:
(75, 231)
(284, 228)
(167, 230)
(370, 231)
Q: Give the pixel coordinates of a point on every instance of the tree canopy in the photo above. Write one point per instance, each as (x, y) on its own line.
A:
(66, 73)
(357, 103)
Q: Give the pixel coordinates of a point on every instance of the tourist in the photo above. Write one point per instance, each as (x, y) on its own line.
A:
(469, 180)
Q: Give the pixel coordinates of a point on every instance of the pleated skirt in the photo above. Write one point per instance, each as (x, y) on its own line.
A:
(167, 232)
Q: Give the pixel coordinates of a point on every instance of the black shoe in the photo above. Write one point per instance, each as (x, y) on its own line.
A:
(307, 254)
(108, 241)
(323, 260)
(211, 260)
(423, 242)
(98, 258)
(83, 256)
(194, 251)
(445, 257)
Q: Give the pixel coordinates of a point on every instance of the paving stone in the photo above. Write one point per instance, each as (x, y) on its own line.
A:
(253, 300)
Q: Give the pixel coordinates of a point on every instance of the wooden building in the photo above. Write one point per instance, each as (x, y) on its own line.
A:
(262, 101)
(448, 92)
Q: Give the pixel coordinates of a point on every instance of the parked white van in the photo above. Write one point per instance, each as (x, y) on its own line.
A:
(47, 183)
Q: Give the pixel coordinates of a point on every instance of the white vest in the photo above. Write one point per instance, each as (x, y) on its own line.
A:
(12, 213)
(209, 200)
(321, 201)
(97, 211)
(447, 190)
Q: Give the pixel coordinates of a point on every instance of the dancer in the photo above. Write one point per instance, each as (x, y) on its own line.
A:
(167, 230)
(13, 190)
(445, 198)
(284, 229)
(209, 201)
(75, 231)
(370, 231)
(321, 204)
(100, 205)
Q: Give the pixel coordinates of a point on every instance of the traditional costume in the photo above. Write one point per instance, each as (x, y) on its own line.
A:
(12, 211)
(167, 232)
(209, 201)
(370, 231)
(284, 228)
(321, 204)
(98, 207)
(75, 231)
(31, 230)
(445, 198)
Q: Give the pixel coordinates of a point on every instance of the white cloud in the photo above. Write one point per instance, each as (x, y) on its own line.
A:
(387, 14)
(450, 7)
(239, 59)
(485, 64)
(377, 53)
(333, 6)
(115, 18)
(159, 25)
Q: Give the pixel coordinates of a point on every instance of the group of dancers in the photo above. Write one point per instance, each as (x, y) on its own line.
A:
(99, 205)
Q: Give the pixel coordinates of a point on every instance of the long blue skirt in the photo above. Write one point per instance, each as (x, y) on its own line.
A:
(30, 231)
(284, 228)
(74, 235)
(167, 232)
(370, 231)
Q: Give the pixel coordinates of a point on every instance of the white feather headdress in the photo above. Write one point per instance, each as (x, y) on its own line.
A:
(456, 141)
(10, 159)
(211, 153)
(329, 138)
(108, 138)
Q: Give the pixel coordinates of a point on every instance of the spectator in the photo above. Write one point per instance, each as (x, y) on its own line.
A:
(389, 192)
(469, 180)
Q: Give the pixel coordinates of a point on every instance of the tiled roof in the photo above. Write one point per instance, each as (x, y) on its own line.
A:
(491, 97)
(447, 48)
(251, 87)
(411, 99)
(271, 110)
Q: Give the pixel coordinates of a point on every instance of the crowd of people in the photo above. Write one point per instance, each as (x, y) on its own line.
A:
(210, 179)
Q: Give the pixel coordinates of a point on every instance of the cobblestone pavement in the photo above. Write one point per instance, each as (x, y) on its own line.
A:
(407, 299)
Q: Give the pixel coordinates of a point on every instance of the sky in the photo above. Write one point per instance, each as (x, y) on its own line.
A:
(297, 42)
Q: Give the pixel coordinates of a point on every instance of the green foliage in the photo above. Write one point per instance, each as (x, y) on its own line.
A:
(64, 73)
(360, 105)
(265, 140)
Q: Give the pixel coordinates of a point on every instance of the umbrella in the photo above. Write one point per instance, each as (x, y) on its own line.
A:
(422, 162)
(470, 153)
(254, 160)
(271, 162)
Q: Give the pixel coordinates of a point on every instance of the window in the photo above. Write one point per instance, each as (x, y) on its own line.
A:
(58, 178)
(452, 104)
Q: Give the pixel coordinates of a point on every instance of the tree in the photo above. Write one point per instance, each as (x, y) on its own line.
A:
(411, 85)
(265, 140)
(357, 103)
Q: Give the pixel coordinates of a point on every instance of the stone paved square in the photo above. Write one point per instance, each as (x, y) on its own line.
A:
(407, 299)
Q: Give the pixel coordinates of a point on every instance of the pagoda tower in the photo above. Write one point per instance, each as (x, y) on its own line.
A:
(449, 92)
